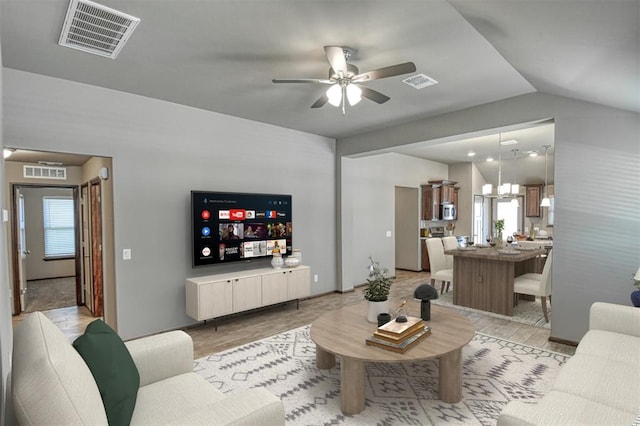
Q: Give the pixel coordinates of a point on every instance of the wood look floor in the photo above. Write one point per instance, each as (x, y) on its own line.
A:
(247, 327)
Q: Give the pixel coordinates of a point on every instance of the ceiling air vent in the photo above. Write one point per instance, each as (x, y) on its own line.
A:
(419, 81)
(44, 172)
(97, 29)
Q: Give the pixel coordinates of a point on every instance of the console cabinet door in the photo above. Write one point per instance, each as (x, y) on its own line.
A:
(215, 299)
(247, 293)
(274, 287)
(298, 283)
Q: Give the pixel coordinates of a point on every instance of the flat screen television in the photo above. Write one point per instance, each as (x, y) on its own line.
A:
(233, 227)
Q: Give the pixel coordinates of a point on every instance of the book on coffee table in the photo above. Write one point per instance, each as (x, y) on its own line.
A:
(401, 346)
(397, 331)
(398, 340)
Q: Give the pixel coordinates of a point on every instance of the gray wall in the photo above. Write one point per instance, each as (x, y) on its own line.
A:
(368, 192)
(597, 226)
(161, 151)
(6, 330)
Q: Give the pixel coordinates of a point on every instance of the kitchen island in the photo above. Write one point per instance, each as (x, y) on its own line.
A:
(483, 278)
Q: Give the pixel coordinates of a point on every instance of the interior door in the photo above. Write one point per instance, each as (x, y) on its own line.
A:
(96, 247)
(85, 247)
(407, 228)
(22, 249)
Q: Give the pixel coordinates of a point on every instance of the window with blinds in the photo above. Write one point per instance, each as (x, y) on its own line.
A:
(59, 231)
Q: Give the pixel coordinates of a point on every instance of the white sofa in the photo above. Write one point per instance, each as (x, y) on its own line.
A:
(52, 385)
(600, 384)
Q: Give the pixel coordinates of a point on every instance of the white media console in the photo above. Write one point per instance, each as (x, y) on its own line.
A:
(213, 296)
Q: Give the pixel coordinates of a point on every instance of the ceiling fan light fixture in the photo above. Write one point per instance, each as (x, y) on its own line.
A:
(334, 93)
(354, 94)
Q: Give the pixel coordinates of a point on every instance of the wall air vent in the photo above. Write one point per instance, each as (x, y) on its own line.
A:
(96, 29)
(419, 81)
(44, 172)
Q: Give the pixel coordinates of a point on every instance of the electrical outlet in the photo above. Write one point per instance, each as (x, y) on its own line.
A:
(388, 234)
(126, 254)
(315, 278)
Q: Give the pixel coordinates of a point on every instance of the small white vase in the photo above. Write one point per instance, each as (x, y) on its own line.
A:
(277, 261)
(376, 308)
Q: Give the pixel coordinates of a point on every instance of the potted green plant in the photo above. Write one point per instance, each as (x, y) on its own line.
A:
(499, 225)
(377, 290)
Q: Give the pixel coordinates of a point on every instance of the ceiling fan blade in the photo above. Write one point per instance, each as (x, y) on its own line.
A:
(320, 102)
(373, 95)
(385, 72)
(335, 56)
(301, 80)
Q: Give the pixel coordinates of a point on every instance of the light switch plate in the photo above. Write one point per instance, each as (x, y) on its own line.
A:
(126, 254)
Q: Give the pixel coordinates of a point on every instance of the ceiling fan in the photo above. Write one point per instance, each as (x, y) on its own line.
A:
(344, 79)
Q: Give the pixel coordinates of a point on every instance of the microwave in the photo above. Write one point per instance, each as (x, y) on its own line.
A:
(448, 211)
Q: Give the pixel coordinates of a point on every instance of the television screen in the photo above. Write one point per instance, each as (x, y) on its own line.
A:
(231, 227)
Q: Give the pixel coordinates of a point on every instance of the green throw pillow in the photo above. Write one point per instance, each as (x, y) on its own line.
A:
(113, 369)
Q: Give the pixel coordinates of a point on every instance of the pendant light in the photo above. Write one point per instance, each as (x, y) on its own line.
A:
(515, 188)
(502, 189)
(546, 202)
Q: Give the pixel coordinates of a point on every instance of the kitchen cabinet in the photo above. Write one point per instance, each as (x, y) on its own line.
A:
(426, 265)
(448, 193)
(533, 197)
(430, 202)
(436, 193)
(454, 199)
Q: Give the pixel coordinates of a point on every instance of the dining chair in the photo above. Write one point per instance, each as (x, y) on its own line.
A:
(450, 243)
(535, 245)
(439, 270)
(538, 285)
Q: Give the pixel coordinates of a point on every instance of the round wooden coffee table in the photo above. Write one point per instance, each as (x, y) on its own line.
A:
(343, 332)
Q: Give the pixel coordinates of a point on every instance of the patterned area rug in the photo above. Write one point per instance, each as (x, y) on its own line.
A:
(526, 312)
(495, 371)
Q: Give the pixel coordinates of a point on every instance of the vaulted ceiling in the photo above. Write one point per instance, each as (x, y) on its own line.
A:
(222, 55)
